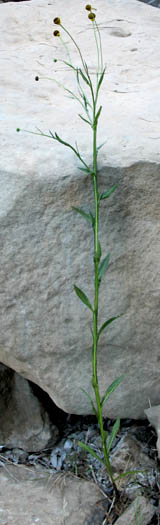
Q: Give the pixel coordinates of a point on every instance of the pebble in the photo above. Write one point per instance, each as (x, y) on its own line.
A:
(57, 458)
(68, 444)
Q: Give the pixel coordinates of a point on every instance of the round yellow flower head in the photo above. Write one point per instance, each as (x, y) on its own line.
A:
(56, 33)
(57, 21)
(88, 7)
(92, 16)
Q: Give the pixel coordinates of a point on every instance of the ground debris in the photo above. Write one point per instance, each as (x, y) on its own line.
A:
(134, 448)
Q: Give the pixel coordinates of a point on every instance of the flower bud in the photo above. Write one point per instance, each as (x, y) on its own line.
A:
(36, 78)
(92, 16)
(56, 33)
(18, 129)
(88, 7)
(57, 21)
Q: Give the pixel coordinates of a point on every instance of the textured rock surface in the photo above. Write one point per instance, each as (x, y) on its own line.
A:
(140, 511)
(128, 455)
(153, 3)
(45, 332)
(23, 421)
(32, 496)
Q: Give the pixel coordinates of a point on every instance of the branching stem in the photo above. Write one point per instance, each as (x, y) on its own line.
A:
(90, 107)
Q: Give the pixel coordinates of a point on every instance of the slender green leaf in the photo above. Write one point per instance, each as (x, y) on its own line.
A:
(83, 297)
(111, 389)
(103, 267)
(94, 380)
(93, 219)
(78, 81)
(83, 95)
(107, 194)
(91, 402)
(86, 105)
(91, 451)
(91, 330)
(70, 97)
(77, 149)
(97, 116)
(129, 473)
(52, 135)
(85, 120)
(87, 216)
(70, 65)
(107, 323)
(56, 137)
(71, 93)
(83, 76)
(113, 434)
(105, 433)
(86, 170)
(101, 80)
(86, 69)
(100, 146)
(99, 253)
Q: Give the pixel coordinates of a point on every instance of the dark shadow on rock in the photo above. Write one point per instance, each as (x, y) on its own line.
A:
(99, 513)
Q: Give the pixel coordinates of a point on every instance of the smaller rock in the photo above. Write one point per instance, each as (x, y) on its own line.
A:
(17, 455)
(140, 511)
(128, 455)
(36, 495)
(57, 458)
(68, 445)
(53, 460)
(24, 422)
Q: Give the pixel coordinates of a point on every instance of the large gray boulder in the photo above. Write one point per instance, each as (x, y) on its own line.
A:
(46, 248)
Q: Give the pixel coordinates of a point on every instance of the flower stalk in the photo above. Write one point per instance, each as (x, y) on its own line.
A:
(97, 256)
(92, 114)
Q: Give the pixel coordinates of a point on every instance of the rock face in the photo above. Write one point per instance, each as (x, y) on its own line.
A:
(140, 511)
(129, 453)
(23, 421)
(37, 496)
(45, 247)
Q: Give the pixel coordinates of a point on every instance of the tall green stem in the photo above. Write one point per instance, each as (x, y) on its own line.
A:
(97, 255)
(82, 74)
